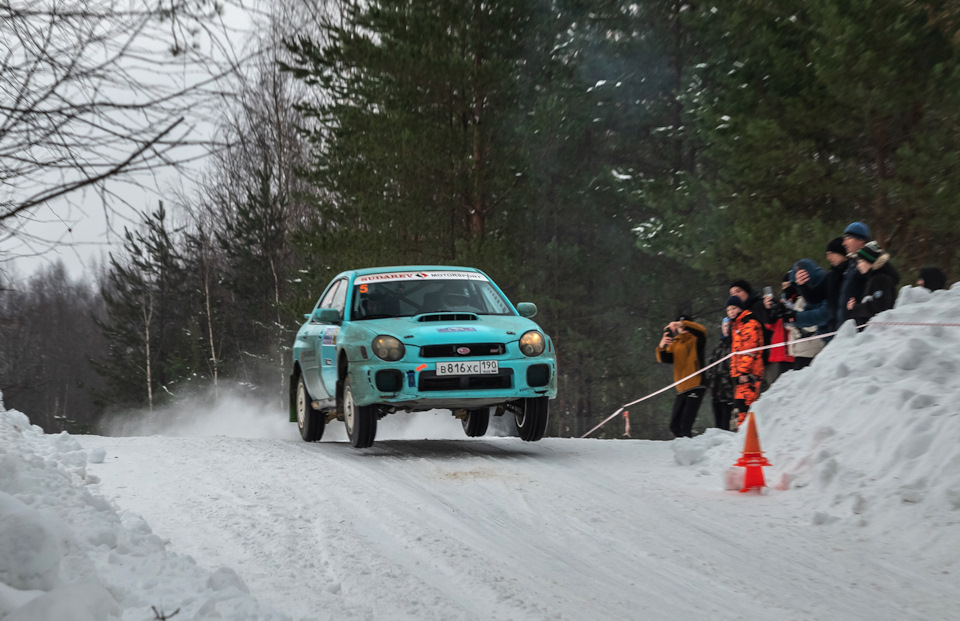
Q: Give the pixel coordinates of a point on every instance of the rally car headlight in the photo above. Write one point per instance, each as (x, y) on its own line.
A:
(532, 343)
(388, 348)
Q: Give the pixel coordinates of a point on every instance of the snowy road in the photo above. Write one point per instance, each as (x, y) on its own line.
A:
(495, 528)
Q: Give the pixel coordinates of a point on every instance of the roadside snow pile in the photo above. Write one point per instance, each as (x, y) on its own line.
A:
(68, 555)
(869, 434)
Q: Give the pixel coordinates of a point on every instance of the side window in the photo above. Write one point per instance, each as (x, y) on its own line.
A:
(328, 299)
(339, 297)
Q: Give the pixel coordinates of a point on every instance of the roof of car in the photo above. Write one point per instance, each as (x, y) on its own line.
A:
(412, 268)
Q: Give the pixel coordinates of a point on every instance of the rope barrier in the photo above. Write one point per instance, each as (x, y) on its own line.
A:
(756, 349)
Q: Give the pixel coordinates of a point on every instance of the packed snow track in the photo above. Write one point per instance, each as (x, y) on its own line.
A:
(496, 528)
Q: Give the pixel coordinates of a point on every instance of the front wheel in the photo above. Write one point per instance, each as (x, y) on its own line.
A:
(360, 421)
(531, 418)
(476, 422)
(310, 421)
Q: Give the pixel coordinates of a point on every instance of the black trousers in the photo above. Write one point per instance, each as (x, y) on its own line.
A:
(685, 409)
(721, 414)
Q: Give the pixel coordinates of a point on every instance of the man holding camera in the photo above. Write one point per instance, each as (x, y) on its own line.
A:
(683, 344)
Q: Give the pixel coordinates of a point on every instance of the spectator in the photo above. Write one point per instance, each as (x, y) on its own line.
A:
(682, 344)
(880, 290)
(754, 303)
(719, 380)
(932, 278)
(745, 369)
(778, 313)
(820, 290)
(791, 305)
(855, 237)
(752, 300)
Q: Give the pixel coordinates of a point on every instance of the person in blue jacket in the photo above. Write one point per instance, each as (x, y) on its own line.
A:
(820, 289)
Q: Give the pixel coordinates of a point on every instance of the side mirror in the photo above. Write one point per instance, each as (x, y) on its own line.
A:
(326, 315)
(527, 309)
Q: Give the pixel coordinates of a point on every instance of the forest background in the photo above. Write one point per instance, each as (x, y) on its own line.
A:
(616, 163)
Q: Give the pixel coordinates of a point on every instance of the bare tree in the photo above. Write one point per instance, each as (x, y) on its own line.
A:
(94, 91)
(254, 173)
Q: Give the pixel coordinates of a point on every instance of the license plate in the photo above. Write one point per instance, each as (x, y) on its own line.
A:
(472, 367)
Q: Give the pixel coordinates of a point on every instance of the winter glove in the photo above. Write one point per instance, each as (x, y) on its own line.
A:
(781, 310)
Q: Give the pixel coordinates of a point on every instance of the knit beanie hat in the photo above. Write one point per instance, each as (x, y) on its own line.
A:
(743, 285)
(734, 300)
(836, 245)
(858, 230)
(870, 253)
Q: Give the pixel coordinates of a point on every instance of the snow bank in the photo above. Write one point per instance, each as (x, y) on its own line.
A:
(69, 555)
(869, 434)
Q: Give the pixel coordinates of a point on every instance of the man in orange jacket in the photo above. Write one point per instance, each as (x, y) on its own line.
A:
(745, 369)
(683, 344)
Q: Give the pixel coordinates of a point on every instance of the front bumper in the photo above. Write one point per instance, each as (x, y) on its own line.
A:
(415, 385)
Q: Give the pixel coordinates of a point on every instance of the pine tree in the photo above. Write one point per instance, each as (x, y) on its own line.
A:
(256, 257)
(147, 317)
(814, 114)
(414, 150)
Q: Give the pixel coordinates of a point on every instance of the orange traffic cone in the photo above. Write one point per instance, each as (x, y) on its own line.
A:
(752, 459)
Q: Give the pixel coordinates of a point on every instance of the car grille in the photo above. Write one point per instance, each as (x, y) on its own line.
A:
(430, 381)
(451, 351)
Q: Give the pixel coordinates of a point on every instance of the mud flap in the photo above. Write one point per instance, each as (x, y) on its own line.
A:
(293, 397)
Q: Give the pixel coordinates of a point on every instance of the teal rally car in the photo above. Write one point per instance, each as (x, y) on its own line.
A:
(416, 338)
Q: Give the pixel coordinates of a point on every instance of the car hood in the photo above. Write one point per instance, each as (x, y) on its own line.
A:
(483, 329)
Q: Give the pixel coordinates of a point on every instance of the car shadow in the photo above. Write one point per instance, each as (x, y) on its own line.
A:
(501, 448)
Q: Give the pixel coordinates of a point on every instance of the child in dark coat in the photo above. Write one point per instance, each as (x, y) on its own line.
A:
(880, 289)
(718, 377)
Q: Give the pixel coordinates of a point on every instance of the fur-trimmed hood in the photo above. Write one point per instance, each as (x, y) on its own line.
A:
(882, 260)
(884, 265)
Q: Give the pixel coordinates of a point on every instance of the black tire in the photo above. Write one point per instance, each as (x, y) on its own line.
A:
(310, 421)
(532, 418)
(360, 421)
(476, 422)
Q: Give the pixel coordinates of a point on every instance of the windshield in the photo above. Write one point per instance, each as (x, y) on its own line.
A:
(406, 294)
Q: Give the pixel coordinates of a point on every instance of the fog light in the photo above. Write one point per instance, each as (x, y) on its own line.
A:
(538, 375)
(389, 380)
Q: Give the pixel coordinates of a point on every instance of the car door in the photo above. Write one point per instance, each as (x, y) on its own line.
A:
(327, 354)
(313, 334)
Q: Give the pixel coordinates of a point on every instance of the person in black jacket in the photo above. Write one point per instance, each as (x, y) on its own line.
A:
(719, 380)
(855, 237)
(880, 290)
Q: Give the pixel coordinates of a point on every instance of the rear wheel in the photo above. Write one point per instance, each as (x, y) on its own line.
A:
(361, 421)
(531, 418)
(476, 422)
(309, 421)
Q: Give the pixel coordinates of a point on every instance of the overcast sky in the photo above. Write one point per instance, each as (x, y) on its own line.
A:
(78, 229)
